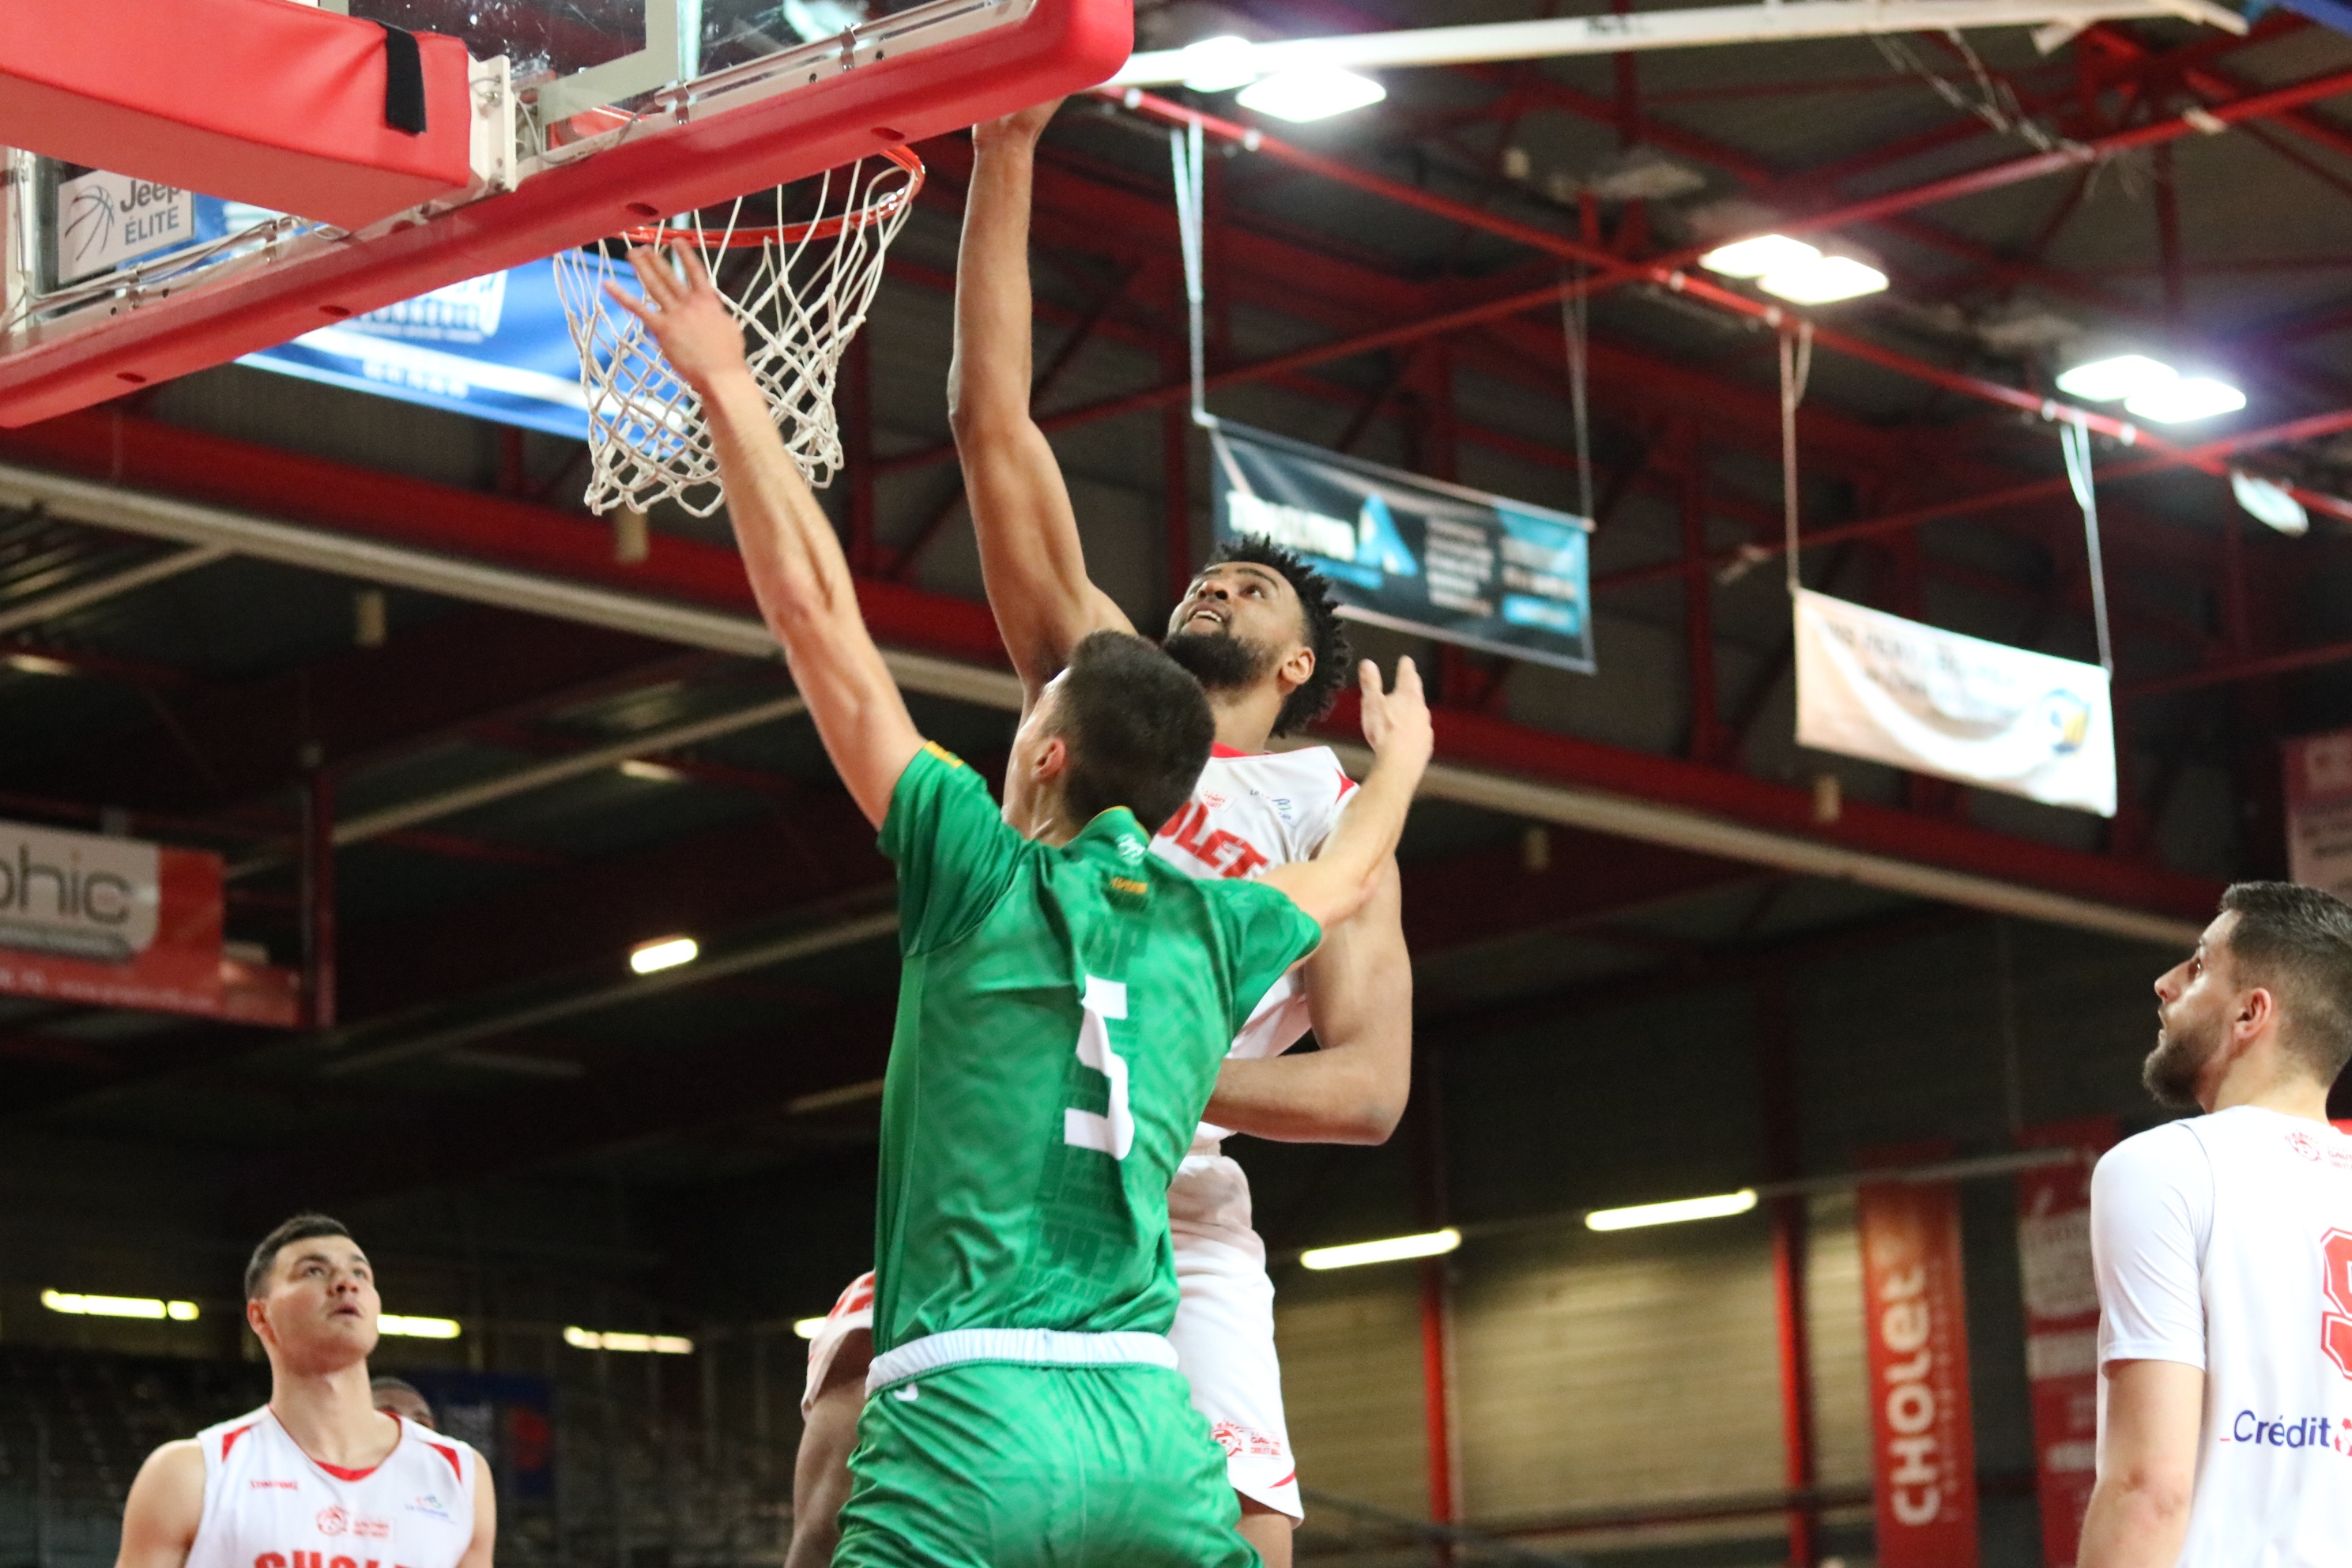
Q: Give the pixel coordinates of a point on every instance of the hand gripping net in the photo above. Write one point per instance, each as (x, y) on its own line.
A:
(806, 295)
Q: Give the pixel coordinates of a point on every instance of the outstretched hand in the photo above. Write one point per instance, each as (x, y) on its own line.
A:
(685, 314)
(1396, 722)
(1022, 128)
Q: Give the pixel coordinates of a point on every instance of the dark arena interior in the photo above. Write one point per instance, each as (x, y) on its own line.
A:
(357, 654)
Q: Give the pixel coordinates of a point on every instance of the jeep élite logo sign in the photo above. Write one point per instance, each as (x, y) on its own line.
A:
(1923, 1447)
(76, 894)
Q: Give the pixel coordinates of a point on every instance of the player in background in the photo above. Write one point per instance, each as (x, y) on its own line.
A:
(400, 1396)
(1258, 628)
(2223, 1249)
(1051, 966)
(319, 1473)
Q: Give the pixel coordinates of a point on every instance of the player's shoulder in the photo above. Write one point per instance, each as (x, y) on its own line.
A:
(220, 1439)
(440, 1451)
(2168, 1147)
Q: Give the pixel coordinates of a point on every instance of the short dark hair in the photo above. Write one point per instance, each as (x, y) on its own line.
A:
(2296, 942)
(301, 1227)
(1323, 631)
(380, 1386)
(1138, 727)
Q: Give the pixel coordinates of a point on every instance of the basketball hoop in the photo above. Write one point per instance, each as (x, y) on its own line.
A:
(806, 295)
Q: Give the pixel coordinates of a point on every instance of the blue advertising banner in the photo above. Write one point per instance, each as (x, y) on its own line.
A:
(509, 1417)
(1410, 553)
(496, 347)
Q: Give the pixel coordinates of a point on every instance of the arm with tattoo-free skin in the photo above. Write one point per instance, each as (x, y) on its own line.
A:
(2138, 1515)
(1029, 555)
(1359, 996)
(165, 1505)
(794, 561)
(1340, 879)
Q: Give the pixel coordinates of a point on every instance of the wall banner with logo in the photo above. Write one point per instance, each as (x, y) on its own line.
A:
(111, 922)
(1876, 686)
(507, 1417)
(1923, 1442)
(2318, 770)
(1418, 554)
(2062, 1327)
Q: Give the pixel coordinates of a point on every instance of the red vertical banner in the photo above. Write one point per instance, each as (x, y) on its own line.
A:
(2062, 1327)
(1923, 1444)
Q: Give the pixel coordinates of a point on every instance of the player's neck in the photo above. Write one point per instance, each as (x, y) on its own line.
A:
(1245, 718)
(331, 1415)
(2260, 1077)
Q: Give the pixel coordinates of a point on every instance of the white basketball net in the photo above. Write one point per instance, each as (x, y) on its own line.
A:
(803, 300)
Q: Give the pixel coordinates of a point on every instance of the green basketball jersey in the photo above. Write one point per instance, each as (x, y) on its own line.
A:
(1062, 1014)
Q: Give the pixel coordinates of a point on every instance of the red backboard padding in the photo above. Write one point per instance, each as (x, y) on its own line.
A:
(1061, 47)
(262, 101)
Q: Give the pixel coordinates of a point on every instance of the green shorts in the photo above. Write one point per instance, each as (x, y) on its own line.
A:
(991, 1465)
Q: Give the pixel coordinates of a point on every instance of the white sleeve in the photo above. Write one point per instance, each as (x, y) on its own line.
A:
(2151, 1214)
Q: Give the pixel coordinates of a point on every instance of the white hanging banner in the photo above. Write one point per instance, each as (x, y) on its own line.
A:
(1879, 686)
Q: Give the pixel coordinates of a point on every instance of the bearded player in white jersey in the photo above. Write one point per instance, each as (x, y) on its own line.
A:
(2223, 1250)
(318, 1477)
(1256, 626)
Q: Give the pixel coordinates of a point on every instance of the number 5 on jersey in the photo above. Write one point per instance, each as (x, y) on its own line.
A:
(1113, 1134)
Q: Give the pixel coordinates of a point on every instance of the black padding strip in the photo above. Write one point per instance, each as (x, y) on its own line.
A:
(403, 81)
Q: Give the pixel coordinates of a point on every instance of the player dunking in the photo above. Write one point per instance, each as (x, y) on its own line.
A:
(2223, 1249)
(1065, 1001)
(1257, 627)
(318, 1477)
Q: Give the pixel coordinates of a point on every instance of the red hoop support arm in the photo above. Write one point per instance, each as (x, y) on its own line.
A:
(1063, 47)
(279, 105)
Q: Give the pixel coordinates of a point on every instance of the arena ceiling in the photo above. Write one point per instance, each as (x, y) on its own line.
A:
(524, 782)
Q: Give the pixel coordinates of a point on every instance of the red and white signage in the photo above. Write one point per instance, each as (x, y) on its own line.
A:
(1923, 1444)
(114, 922)
(2318, 770)
(2061, 1327)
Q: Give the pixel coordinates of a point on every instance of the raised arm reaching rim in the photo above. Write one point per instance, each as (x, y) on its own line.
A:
(1030, 554)
(794, 561)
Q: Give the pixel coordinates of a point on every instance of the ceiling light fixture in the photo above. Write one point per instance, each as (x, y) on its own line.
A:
(2117, 375)
(1755, 257)
(654, 772)
(809, 1328)
(1825, 280)
(634, 1344)
(402, 1327)
(1429, 1244)
(1217, 65)
(1720, 1206)
(664, 952)
(82, 1306)
(2190, 397)
(2273, 504)
(1310, 93)
(37, 664)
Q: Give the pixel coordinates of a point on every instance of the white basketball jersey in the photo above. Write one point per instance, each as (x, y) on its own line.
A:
(1251, 812)
(2225, 1242)
(269, 1505)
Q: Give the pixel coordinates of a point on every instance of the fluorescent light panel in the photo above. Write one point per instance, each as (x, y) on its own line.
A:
(635, 1344)
(1755, 257)
(402, 1327)
(1430, 1244)
(1825, 280)
(2190, 397)
(2272, 503)
(84, 1306)
(1716, 1207)
(657, 773)
(1218, 65)
(1314, 92)
(664, 952)
(2117, 375)
(808, 1327)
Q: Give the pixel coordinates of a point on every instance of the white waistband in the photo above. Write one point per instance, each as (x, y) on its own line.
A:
(1033, 1347)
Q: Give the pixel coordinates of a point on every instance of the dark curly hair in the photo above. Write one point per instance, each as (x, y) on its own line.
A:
(1323, 631)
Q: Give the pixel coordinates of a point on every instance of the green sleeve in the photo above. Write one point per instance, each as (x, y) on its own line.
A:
(1265, 933)
(954, 852)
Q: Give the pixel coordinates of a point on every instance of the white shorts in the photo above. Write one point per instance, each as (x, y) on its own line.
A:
(1223, 1332)
(852, 1313)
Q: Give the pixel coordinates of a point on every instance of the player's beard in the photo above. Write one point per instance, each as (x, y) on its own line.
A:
(2171, 1070)
(1219, 660)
